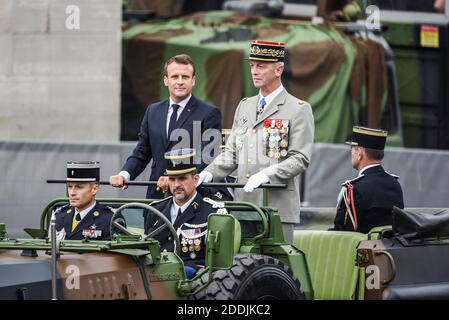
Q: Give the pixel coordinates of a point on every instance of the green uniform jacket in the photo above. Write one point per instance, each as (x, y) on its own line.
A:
(248, 150)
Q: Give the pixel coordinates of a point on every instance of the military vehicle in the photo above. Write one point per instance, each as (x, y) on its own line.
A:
(418, 33)
(391, 73)
(247, 258)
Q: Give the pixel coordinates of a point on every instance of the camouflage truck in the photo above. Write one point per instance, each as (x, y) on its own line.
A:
(247, 258)
(418, 33)
(345, 71)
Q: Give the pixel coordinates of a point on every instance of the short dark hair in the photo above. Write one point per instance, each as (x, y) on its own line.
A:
(374, 154)
(181, 59)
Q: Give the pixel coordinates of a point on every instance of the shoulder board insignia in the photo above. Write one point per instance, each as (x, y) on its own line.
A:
(393, 175)
(301, 102)
(96, 214)
(244, 99)
(352, 180)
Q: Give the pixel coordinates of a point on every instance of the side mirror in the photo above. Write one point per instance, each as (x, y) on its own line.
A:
(223, 240)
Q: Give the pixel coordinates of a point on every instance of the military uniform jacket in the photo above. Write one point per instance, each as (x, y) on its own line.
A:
(375, 193)
(279, 144)
(192, 223)
(95, 225)
(153, 142)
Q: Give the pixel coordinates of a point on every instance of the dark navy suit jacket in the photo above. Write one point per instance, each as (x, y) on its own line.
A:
(153, 142)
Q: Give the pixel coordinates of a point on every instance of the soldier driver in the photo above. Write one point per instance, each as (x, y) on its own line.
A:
(185, 209)
(271, 138)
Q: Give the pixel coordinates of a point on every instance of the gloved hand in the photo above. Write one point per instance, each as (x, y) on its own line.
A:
(256, 180)
(205, 176)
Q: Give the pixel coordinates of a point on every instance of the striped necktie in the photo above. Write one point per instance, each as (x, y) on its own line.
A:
(261, 107)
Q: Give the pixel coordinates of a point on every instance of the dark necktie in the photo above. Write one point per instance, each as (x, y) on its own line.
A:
(177, 216)
(173, 119)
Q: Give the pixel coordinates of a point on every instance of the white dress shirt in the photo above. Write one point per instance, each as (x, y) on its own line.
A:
(269, 98)
(85, 211)
(181, 104)
(175, 208)
(367, 167)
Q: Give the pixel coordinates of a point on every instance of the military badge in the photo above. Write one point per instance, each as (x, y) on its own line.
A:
(275, 137)
(91, 233)
(96, 214)
(191, 238)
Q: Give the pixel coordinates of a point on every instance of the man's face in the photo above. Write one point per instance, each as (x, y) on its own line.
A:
(179, 80)
(81, 194)
(264, 73)
(183, 186)
(355, 156)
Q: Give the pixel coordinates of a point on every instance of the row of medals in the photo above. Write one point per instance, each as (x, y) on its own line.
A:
(191, 246)
(276, 140)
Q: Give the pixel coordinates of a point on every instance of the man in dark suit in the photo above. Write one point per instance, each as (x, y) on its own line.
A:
(83, 217)
(185, 209)
(366, 201)
(176, 123)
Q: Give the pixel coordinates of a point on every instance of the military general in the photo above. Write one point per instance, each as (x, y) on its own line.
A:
(271, 138)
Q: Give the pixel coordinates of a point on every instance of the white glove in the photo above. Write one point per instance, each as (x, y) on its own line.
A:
(205, 176)
(256, 180)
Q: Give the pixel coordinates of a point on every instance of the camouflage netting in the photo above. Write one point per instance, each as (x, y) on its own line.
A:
(323, 66)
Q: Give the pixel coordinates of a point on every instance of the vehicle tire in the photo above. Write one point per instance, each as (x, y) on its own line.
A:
(251, 277)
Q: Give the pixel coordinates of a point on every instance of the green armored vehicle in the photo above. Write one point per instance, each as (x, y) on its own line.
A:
(246, 258)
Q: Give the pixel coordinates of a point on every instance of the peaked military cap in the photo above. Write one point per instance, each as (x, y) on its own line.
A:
(267, 51)
(368, 138)
(180, 161)
(83, 171)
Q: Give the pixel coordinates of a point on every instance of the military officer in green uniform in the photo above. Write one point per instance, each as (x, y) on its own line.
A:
(83, 217)
(271, 138)
(186, 209)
